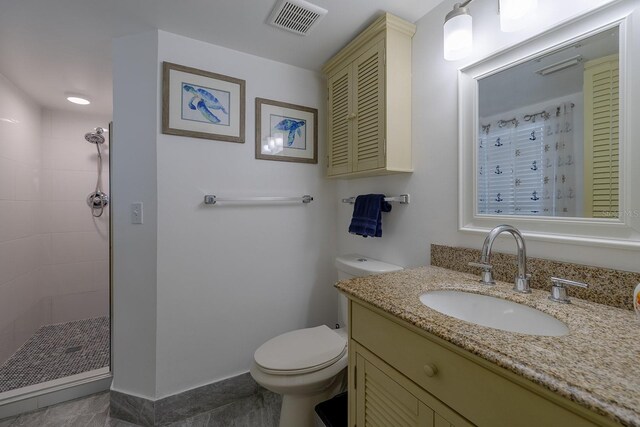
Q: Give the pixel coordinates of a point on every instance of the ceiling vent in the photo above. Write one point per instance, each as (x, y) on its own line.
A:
(297, 16)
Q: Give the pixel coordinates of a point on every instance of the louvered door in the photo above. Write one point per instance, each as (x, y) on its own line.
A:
(601, 133)
(381, 401)
(340, 131)
(369, 102)
(369, 110)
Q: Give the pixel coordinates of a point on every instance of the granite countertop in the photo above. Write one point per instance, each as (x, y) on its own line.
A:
(597, 364)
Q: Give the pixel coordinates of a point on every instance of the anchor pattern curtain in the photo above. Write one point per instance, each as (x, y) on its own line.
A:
(526, 164)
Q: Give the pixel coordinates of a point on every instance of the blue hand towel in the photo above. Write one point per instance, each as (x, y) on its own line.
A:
(367, 215)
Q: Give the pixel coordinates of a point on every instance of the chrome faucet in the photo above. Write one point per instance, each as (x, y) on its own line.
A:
(522, 279)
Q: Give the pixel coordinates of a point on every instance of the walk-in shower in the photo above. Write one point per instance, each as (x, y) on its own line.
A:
(55, 295)
(97, 200)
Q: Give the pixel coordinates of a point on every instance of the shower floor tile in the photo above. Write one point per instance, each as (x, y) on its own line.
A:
(57, 351)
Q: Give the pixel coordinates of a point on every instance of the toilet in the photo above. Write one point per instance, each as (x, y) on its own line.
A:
(308, 366)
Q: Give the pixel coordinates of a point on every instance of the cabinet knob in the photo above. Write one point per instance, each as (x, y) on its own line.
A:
(353, 116)
(430, 369)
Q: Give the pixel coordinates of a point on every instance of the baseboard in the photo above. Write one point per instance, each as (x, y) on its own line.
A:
(229, 398)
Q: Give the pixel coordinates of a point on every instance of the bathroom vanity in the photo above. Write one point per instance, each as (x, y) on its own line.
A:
(411, 365)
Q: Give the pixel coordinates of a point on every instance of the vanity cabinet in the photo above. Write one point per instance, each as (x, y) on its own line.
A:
(369, 102)
(402, 375)
(386, 398)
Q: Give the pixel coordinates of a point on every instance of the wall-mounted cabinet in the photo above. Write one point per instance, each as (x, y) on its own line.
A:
(369, 102)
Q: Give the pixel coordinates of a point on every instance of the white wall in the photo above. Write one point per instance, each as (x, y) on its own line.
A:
(408, 231)
(197, 292)
(75, 282)
(231, 277)
(20, 246)
(133, 153)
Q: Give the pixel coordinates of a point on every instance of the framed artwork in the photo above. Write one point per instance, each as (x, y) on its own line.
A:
(286, 132)
(201, 104)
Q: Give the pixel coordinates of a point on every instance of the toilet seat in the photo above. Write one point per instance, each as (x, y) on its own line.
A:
(301, 351)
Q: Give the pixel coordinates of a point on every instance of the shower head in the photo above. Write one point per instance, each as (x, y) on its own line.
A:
(95, 137)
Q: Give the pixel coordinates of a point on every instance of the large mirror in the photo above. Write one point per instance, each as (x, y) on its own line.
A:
(547, 134)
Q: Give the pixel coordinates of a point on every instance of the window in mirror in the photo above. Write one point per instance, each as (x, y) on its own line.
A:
(548, 134)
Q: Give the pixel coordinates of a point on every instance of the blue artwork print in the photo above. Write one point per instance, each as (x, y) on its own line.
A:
(206, 105)
(294, 131)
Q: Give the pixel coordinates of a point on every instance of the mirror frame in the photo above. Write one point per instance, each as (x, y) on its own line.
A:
(622, 232)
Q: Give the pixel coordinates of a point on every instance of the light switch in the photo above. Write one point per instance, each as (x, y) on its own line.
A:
(136, 213)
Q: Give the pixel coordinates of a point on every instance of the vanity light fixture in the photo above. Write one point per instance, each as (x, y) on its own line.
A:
(458, 32)
(458, 26)
(553, 68)
(77, 99)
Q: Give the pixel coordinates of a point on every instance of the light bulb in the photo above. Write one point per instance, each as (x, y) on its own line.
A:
(458, 34)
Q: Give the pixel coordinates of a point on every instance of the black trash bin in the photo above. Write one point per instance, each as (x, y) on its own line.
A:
(333, 412)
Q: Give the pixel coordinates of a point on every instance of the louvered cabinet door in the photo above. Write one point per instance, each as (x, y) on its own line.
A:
(339, 123)
(381, 401)
(601, 132)
(369, 110)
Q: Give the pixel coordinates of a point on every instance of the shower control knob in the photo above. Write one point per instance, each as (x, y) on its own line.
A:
(97, 200)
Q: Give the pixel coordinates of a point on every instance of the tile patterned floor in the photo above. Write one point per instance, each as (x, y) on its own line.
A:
(57, 351)
(261, 410)
(91, 411)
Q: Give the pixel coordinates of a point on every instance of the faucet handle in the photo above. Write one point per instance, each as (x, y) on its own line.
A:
(486, 277)
(482, 265)
(559, 290)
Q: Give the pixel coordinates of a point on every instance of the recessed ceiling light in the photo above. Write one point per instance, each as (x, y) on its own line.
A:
(77, 99)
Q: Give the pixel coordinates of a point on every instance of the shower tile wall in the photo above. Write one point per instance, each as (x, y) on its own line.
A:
(20, 244)
(53, 255)
(75, 244)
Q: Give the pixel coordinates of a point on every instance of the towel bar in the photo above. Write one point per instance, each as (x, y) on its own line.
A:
(403, 199)
(211, 199)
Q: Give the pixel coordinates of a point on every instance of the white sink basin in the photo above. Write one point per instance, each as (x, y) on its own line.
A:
(494, 312)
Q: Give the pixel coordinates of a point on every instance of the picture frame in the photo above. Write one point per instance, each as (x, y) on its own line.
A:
(202, 104)
(286, 132)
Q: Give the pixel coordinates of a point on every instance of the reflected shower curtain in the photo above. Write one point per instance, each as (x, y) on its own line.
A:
(526, 164)
(559, 178)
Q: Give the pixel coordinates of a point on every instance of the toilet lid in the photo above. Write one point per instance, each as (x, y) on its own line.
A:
(301, 351)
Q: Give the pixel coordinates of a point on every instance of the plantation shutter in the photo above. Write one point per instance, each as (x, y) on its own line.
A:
(601, 133)
(339, 93)
(369, 109)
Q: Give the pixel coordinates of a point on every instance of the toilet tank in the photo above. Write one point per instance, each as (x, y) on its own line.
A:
(350, 266)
